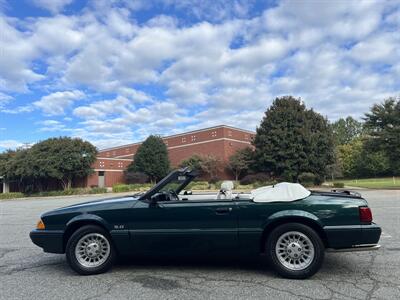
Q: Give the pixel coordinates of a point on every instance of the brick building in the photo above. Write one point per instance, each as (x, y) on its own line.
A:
(221, 141)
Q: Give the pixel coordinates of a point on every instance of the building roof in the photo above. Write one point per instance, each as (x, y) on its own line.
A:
(180, 134)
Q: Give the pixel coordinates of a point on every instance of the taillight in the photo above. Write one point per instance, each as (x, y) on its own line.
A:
(365, 214)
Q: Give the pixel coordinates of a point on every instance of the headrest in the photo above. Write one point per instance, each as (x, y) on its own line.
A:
(227, 185)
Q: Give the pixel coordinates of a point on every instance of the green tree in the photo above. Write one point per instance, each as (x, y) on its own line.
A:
(383, 127)
(373, 164)
(194, 162)
(349, 157)
(357, 160)
(151, 158)
(335, 168)
(292, 139)
(5, 160)
(346, 130)
(210, 166)
(240, 161)
(63, 158)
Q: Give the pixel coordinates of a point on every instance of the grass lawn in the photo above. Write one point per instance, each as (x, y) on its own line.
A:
(373, 183)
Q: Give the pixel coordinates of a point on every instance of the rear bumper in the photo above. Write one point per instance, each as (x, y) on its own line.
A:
(50, 240)
(353, 236)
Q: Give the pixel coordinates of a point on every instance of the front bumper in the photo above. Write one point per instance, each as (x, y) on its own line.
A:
(50, 240)
(353, 236)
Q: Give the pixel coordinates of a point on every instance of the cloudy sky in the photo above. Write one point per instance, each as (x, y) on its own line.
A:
(113, 72)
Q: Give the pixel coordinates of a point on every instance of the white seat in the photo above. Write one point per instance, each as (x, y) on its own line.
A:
(226, 190)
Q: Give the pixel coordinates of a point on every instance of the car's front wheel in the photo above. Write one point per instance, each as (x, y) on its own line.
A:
(295, 250)
(90, 251)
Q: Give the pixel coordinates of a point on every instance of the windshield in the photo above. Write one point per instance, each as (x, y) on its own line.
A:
(175, 181)
(174, 185)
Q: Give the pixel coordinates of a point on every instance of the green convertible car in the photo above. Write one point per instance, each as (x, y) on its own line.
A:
(289, 225)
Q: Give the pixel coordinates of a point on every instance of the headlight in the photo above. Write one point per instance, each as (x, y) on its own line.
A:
(40, 225)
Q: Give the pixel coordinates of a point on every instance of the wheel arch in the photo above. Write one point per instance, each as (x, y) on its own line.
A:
(79, 221)
(301, 217)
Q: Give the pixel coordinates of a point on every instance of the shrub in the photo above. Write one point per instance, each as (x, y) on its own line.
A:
(258, 184)
(307, 179)
(246, 187)
(338, 184)
(69, 192)
(136, 177)
(11, 195)
(197, 185)
(120, 188)
(98, 190)
(253, 178)
(213, 180)
(319, 180)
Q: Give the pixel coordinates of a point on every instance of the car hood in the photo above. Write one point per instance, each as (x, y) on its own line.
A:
(100, 204)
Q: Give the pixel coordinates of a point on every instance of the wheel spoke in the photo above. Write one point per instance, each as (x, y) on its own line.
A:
(294, 250)
(92, 250)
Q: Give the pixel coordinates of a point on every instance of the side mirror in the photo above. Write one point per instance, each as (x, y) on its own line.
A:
(188, 193)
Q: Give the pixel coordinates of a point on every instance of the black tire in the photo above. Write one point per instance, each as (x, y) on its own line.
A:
(280, 268)
(72, 259)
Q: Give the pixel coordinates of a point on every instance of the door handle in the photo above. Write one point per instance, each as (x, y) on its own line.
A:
(223, 210)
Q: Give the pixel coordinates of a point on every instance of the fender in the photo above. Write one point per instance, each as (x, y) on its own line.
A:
(291, 213)
(120, 238)
(88, 217)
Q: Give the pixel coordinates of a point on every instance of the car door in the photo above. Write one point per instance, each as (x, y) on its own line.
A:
(185, 227)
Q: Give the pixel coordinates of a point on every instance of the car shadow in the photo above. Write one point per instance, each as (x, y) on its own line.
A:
(257, 265)
(334, 265)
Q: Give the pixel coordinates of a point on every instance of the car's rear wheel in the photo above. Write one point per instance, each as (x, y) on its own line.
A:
(90, 251)
(295, 250)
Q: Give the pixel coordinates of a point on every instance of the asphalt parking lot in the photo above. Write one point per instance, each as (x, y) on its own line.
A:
(28, 273)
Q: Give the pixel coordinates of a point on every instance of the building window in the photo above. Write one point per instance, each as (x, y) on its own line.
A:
(101, 173)
(193, 138)
(101, 164)
(120, 164)
(229, 133)
(166, 143)
(108, 154)
(246, 137)
(127, 150)
(111, 164)
(184, 140)
(213, 134)
(114, 153)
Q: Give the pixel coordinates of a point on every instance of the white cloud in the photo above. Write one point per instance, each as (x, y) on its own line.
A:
(54, 6)
(18, 109)
(15, 59)
(380, 48)
(10, 144)
(256, 56)
(166, 75)
(214, 10)
(56, 103)
(163, 21)
(4, 99)
(100, 109)
(52, 125)
(46, 35)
